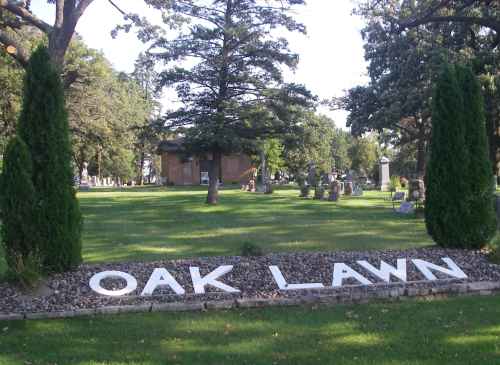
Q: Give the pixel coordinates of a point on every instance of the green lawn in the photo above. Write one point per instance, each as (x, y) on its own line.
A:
(156, 223)
(459, 331)
(147, 224)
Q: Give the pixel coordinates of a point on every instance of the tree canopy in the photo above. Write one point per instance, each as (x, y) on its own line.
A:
(230, 82)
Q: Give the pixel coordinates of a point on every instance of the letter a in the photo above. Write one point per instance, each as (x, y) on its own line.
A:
(161, 277)
(342, 271)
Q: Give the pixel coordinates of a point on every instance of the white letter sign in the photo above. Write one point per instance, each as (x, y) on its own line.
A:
(95, 283)
(342, 271)
(386, 270)
(426, 267)
(283, 285)
(210, 279)
(161, 277)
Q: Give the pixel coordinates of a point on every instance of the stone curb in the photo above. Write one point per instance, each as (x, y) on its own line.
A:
(354, 294)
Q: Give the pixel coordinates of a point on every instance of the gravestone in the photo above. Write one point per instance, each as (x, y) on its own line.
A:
(398, 195)
(406, 208)
(358, 191)
(348, 188)
(384, 174)
(84, 182)
(416, 190)
(334, 193)
(341, 188)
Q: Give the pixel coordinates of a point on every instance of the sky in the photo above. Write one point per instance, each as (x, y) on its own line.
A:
(331, 54)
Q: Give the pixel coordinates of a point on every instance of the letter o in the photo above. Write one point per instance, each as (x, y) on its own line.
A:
(95, 283)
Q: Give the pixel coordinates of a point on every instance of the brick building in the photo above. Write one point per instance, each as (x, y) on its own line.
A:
(178, 169)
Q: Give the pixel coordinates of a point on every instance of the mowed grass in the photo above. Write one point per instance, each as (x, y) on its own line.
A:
(458, 331)
(168, 223)
(157, 223)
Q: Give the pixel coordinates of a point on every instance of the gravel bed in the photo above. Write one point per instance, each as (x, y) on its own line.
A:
(251, 275)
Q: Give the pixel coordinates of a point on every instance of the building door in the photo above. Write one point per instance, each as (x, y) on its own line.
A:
(187, 173)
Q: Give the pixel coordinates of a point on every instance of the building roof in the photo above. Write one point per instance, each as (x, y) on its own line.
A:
(171, 145)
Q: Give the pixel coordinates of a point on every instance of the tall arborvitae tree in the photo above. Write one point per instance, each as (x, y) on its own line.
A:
(481, 222)
(232, 87)
(43, 125)
(19, 234)
(459, 204)
(446, 208)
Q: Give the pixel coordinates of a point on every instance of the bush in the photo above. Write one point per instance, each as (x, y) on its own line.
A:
(395, 183)
(249, 249)
(19, 233)
(459, 206)
(43, 125)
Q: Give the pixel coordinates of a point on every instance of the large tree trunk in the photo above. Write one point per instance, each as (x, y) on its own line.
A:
(263, 163)
(213, 175)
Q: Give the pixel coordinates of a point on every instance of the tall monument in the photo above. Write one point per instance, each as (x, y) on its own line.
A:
(384, 174)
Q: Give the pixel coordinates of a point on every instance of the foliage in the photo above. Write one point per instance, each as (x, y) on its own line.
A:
(249, 249)
(494, 247)
(341, 142)
(481, 220)
(18, 201)
(405, 55)
(43, 125)
(273, 149)
(232, 88)
(404, 161)
(459, 207)
(310, 145)
(108, 114)
(364, 154)
(395, 183)
(446, 206)
(10, 98)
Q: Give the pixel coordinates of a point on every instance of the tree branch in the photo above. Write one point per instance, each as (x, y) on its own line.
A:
(117, 7)
(82, 6)
(14, 49)
(485, 22)
(25, 14)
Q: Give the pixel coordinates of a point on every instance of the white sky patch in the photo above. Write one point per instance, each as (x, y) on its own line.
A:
(331, 55)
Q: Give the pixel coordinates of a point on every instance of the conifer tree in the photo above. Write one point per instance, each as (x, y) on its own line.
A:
(459, 200)
(481, 220)
(232, 88)
(446, 209)
(43, 125)
(17, 204)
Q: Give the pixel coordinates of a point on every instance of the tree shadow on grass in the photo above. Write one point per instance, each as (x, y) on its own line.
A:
(443, 332)
(151, 227)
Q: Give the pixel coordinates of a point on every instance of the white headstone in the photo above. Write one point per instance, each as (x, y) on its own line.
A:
(384, 174)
